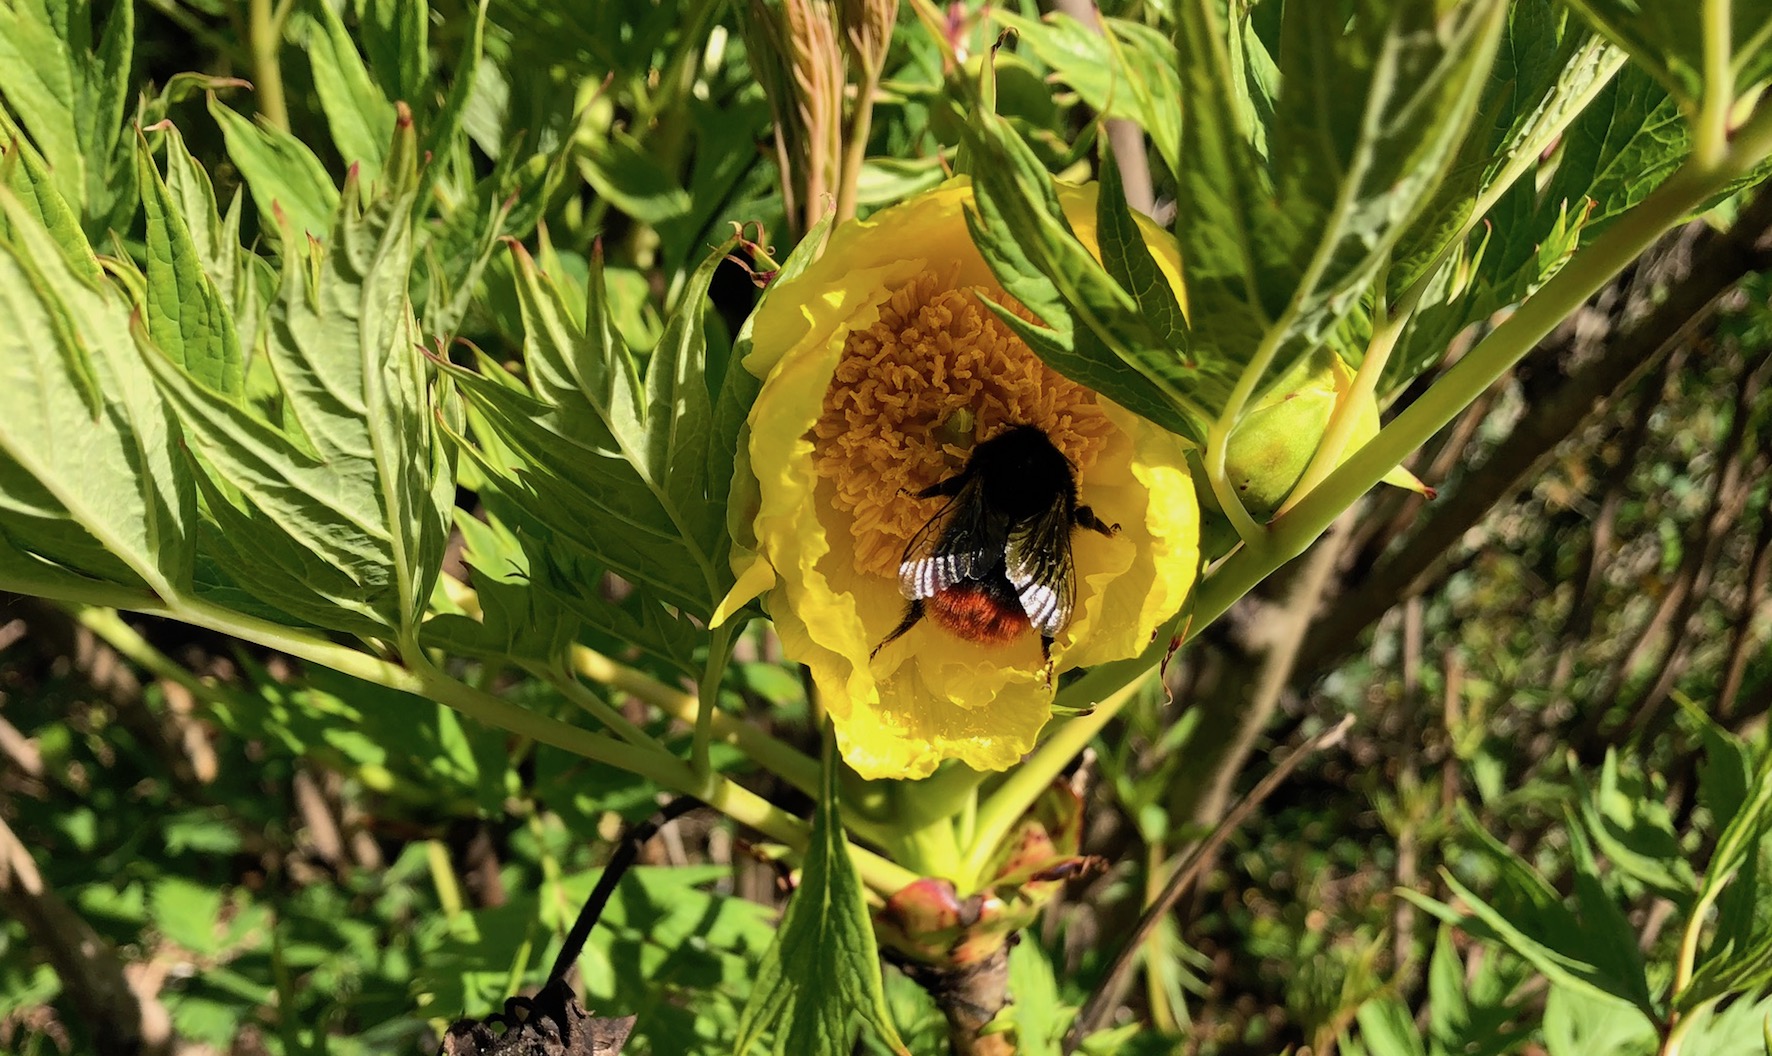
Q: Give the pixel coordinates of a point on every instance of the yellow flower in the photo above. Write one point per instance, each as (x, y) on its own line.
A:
(881, 366)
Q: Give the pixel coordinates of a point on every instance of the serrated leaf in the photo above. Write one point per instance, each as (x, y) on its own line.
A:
(86, 441)
(680, 409)
(615, 463)
(337, 513)
(1528, 916)
(1621, 148)
(1544, 74)
(1277, 252)
(565, 476)
(289, 185)
(215, 239)
(186, 315)
(23, 172)
(1668, 41)
(358, 115)
(822, 972)
(1090, 329)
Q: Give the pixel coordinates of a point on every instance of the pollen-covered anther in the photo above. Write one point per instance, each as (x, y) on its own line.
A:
(934, 355)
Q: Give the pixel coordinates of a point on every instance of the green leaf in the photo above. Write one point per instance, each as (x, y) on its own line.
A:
(106, 88)
(621, 171)
(1528, 916)
(1387, 1028)
(1092, 331)
(23, 172)
(1741, 837)
(359, 116)
(86, 447)
(517, 620)
(289, 185)
(1726, 771)
(37, 81)
(1668, 41)
(1580, 1023)
(338, 513)
(613, 461)
(1130, 75)
(1546, 70)
(823, 969)
(442, 130)
(1737, 1030)
(395, 37)
(215, 240)
(187, 913)
(186, 316)
(1369, 113)
(1128, 259)
(1634, 829)
(1036, 1009)
(1621, 148)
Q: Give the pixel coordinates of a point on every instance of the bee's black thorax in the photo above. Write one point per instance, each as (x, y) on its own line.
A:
(1021, 474)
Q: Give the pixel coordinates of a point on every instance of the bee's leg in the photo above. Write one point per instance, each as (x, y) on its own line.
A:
(912, 613)
(1046, 656)
(945, 489)
(1086, 518)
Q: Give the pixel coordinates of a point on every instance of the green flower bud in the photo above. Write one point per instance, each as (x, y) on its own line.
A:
(1279, 435)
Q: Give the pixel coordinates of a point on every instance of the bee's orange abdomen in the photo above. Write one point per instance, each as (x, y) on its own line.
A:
(971, 611)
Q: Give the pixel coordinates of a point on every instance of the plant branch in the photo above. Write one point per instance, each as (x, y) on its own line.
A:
(1105, 998)
(122, 1020)
(265, 37)
(708, 698)
(1026, 783)
(792, 766)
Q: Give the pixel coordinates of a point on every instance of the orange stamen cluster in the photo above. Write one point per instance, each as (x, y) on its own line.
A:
(934, 354)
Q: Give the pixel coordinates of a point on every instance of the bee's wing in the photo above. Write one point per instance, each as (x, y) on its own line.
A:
(957, 544)
(1038, 557)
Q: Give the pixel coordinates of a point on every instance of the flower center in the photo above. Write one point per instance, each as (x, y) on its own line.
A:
(893, 411)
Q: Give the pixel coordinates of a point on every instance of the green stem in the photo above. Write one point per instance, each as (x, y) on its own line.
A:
(421, 678)
(855, 152)
(265, 33)
(1710, 134)
(708, 701)
(883, 876)
(598, 708)
(1680, 1025)
(943, 794)
(1218, 437)
(1029, 781)
(794, 767)
(931, 849)
(443, 880)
